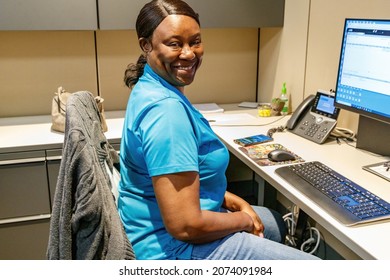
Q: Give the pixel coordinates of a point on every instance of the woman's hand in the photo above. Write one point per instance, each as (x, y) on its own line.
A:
(235, 203)
(258, 227)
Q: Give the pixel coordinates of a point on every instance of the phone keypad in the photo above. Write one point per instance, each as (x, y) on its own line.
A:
(315, 128)
(312, 129)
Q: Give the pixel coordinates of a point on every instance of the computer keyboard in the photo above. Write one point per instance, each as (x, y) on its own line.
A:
(346, 201)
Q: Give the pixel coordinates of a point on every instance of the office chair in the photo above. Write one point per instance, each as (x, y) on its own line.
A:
(85, 223)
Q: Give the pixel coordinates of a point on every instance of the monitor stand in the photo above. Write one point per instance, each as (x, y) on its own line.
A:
(373, 136)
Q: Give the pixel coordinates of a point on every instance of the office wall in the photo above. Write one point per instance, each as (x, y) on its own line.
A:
(227, 74)
(305, 53)
(283, 54)
(34, 64)
(325, 40)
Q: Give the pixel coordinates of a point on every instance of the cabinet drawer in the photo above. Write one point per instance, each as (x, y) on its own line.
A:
(25, 240)
(23, 185)
(53, 161)
(48, 15)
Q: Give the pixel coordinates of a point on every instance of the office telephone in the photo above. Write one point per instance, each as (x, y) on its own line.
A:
(315, 117)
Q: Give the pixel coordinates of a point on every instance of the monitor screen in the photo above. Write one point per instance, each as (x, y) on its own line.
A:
(363, 81)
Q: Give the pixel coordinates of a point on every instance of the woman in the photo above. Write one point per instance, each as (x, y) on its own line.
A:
(173, 200)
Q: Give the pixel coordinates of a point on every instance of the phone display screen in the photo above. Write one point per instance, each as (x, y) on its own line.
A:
(254, 139)
(324, 105)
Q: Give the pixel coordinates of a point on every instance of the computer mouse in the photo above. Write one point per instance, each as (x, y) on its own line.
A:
(280, 155)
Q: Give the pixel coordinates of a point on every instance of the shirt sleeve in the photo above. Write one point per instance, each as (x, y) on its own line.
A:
(169, 140)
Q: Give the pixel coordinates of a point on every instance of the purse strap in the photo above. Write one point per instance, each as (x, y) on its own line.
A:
(60, 100)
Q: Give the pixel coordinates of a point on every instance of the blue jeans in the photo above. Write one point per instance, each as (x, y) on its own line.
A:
(246, 246)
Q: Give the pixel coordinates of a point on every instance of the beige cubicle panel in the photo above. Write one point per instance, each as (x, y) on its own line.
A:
(33, 64)
(283, 55)
(229, 69)
(305, 52)
(116, 49)
(227, 75)
(324, 42)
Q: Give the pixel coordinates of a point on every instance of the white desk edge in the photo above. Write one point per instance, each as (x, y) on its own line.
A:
(369, 240)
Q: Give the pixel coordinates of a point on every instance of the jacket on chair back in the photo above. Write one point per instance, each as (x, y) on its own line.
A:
(85, 223)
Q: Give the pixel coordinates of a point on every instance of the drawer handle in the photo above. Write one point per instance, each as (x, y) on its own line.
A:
(54, 158)
(25, 219)
(24, 160)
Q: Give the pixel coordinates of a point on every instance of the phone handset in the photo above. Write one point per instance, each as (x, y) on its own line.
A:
(300, 112)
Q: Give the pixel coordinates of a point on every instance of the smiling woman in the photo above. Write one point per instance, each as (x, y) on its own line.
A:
(175, 50)
(164, 41)
(172, 194)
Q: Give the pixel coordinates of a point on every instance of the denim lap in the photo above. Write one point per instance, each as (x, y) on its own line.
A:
(246, 246)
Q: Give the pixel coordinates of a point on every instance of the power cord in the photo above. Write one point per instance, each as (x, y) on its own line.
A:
(313, 236)
(308, 244)
(291, 224)
(340, 132)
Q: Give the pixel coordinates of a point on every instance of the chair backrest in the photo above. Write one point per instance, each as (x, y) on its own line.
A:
(85, 223)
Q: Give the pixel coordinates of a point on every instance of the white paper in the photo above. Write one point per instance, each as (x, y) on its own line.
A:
(208, 108)
(233, 120)
(246, 104)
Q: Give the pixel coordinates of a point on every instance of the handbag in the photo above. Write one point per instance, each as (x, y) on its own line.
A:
(99, 102)
(58, 110)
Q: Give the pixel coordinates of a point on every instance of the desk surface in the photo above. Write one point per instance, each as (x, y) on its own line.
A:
(369, 241)
(34, 132)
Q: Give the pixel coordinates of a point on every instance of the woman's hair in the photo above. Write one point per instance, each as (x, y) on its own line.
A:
(150, 16)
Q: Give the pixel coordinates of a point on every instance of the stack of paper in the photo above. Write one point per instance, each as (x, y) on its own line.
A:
(243, 119)
(205, 108)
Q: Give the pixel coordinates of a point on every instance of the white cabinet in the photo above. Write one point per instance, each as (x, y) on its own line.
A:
(122, 14)
(239, 13)
(53, 162)
(24, 189)
(24, 240)
(24, 205)
(28, 180)
(48, 15)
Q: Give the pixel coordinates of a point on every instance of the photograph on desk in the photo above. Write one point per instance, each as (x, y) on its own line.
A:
(382, 169)
(270, 154)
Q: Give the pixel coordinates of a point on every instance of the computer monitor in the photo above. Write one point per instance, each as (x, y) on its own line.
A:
(363, 81)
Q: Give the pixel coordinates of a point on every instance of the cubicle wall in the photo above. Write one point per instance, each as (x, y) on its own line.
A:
(305, 52)
(86, 46)
(33, 64)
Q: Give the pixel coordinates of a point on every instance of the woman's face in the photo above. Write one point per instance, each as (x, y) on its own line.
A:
(175, 51)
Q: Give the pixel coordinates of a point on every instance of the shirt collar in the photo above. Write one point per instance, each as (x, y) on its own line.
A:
(148, 71)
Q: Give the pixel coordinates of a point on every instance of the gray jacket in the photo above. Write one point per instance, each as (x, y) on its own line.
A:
(85, 223)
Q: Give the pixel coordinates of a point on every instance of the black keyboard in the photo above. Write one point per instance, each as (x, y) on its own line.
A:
(343, 199)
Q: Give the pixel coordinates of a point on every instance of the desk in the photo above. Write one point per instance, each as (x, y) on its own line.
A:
(30, 156)
(369, 241)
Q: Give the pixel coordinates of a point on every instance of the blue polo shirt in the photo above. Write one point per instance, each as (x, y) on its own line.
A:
(163, 134)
